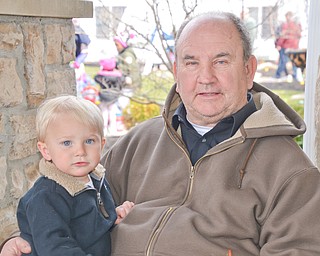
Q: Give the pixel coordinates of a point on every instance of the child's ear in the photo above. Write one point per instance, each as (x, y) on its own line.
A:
(103, 142)
(44, 150)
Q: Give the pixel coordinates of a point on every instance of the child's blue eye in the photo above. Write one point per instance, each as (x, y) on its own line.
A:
(90, 141)
(67, 143)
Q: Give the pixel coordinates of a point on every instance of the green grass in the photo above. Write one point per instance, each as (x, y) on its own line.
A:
(293, 98)
(92, 70)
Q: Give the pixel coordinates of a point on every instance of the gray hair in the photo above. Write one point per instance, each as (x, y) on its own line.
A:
(236, 21)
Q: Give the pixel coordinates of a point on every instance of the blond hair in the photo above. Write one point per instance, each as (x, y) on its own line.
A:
(83, 110)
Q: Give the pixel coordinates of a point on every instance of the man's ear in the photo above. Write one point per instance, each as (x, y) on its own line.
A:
(175, 75)
(251, 68)
(44, 150)
(175, 70)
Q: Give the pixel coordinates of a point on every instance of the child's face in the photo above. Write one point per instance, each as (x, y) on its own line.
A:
(73, 147)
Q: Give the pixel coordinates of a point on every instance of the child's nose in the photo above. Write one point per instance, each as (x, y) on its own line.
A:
(81, 150)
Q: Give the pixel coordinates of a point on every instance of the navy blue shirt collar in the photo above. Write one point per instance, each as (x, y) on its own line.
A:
(198, 145)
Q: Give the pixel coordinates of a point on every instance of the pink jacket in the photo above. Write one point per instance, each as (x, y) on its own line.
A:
(289, 36)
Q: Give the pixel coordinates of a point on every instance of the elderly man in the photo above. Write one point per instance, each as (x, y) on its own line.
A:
(219, 173)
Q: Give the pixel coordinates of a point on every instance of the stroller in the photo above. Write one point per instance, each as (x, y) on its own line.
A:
(111, 83)
(110, 80)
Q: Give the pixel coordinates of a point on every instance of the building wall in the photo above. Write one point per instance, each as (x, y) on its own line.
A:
(268, 13)
(36, 47)
(311, 139)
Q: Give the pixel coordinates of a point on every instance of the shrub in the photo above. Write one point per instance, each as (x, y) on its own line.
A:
(136, 113)
(152, 94)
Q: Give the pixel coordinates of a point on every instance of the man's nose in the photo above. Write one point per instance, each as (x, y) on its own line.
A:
(207, 73)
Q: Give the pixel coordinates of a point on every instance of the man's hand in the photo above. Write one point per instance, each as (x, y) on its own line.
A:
(122, 211)
(15, 247)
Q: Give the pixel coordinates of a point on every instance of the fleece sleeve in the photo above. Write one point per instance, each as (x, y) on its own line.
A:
(293, 224)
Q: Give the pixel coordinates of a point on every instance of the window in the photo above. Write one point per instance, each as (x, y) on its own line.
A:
(107, 20)
(269, 22)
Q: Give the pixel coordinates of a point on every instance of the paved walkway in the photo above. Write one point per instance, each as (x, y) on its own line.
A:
(264, 76)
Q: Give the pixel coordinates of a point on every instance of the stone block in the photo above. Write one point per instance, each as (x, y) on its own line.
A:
(11, 88)
(32, 173)
(68, 43)
(54, 44)
(22, 148)
(34, 62)
(61, 82)
(2, 123)
(18, 180)
(3, 177)
(8, 221)
(10, 36)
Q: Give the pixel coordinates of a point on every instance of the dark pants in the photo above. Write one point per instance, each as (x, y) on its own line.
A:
(283, 59)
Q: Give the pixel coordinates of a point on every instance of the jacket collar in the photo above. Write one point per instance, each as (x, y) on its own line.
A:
(273, 115)
(70, 183)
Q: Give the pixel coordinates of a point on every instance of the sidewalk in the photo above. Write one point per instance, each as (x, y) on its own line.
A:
(264, 76)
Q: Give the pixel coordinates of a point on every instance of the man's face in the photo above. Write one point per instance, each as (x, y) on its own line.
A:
(212, 77)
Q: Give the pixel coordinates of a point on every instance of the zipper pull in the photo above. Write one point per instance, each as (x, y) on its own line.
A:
(192, 173)
(101, 206)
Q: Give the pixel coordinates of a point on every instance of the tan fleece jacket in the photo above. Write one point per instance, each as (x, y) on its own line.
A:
(256, 193)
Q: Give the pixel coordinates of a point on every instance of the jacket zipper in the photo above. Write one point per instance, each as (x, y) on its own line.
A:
(99, 200)
(157, 231)
(191, 179)
(101, 206)
(170, 210)
(168, 213)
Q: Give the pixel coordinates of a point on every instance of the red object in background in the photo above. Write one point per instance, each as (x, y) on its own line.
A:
(91, 93)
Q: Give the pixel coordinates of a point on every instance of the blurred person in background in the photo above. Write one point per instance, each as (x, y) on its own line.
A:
(288, 37)
(127, 63)
(82, 41)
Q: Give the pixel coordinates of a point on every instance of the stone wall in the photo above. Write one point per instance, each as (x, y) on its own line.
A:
(35, 51)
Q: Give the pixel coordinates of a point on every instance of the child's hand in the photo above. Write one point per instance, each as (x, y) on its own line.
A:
(123, 210)
(15, 246)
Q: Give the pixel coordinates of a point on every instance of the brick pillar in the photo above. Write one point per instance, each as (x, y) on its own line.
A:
(36, 46)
